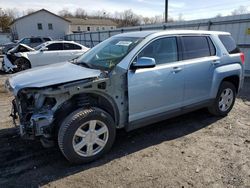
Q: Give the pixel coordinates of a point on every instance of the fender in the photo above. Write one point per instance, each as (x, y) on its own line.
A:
(222, 72)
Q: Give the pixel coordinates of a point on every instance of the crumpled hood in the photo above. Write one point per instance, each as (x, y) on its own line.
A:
(50, 75)
(17, 48)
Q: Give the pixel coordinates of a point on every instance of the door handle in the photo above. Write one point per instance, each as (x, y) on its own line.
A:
(176, 70)
(216, 62)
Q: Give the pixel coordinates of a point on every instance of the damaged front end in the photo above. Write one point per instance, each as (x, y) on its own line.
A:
(12, 55)
(35, 112)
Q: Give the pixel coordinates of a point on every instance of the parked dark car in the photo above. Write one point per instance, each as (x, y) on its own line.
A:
(30, 41)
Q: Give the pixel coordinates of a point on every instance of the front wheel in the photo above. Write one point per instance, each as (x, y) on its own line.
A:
(86, 134)
(225, 99)
(21, 64)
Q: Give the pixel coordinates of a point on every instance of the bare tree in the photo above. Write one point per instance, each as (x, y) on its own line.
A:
(129, 18)
(240, 10)
(146, 20)
(101, 14)
(5, 20)
(12, 12)
(65, 13)
(157, 19)
(80, 13)
(28, 11)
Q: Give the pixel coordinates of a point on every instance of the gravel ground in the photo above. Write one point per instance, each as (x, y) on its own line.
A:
(193, 150)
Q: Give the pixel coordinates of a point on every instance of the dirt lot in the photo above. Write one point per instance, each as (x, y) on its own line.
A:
(194, 150)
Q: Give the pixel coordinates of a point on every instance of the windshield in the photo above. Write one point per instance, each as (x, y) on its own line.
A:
(109, 53)
(39, 46)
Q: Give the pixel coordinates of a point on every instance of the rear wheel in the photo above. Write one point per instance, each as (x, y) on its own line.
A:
(86, 134)
(225, 99)
(21, 64)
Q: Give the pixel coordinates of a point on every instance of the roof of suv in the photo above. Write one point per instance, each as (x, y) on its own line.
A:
(170, 32)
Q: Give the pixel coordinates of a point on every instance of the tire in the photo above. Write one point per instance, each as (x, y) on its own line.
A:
(227, 92)
(82, 130)
(22, 64)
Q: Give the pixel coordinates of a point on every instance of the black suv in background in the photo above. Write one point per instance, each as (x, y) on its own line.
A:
(30, 41)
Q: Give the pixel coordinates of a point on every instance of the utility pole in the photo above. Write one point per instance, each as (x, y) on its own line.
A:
(166, 11)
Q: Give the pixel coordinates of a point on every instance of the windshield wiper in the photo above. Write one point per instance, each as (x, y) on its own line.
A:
(84, 64)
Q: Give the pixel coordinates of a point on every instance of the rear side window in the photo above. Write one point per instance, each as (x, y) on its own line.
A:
(70, 46)
(55, 46)
(163, 50)
(196, 47)
(211, 47)
(229, 44)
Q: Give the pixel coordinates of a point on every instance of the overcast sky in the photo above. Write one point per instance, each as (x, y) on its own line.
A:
(191, 9)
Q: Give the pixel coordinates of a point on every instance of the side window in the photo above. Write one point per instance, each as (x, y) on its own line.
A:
(55, 46)
(163, 50)
(195, 47)
(211, 47)
(229, 44)
(76, 47)
(35, 40)
(69, 46)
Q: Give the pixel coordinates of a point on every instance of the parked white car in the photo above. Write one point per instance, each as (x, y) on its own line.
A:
(24, 57)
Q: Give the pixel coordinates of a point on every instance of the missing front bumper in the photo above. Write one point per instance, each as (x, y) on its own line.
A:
(7, 66)
(39, 124)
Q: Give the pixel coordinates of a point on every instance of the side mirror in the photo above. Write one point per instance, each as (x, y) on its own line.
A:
(44, 49)
(144, 62)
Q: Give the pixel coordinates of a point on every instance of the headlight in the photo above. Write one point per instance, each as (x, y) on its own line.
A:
(8, 86)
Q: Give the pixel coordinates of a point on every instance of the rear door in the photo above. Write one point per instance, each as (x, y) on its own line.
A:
(153, 91)
(70, 51)
(200, 59)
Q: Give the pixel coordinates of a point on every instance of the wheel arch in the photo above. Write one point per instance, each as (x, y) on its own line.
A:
(26, 59)
(88, 99)
(231, 73)
(234, 79)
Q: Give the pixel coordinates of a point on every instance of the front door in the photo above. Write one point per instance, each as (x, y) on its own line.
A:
(49, 56)
(152, 91)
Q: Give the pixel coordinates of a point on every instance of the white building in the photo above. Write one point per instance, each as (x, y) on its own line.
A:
(90, 24)
(40, 23)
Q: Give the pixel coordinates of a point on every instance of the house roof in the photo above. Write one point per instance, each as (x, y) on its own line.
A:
(92, 21)
(37, 12)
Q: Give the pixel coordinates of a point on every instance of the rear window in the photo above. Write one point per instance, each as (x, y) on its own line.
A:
(229, 44)
(196, 47)
(35, 40)
(46, 39)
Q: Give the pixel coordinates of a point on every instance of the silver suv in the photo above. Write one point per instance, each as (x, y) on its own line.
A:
(128, 81)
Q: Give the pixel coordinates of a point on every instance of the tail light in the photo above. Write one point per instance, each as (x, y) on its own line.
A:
(242, 57)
